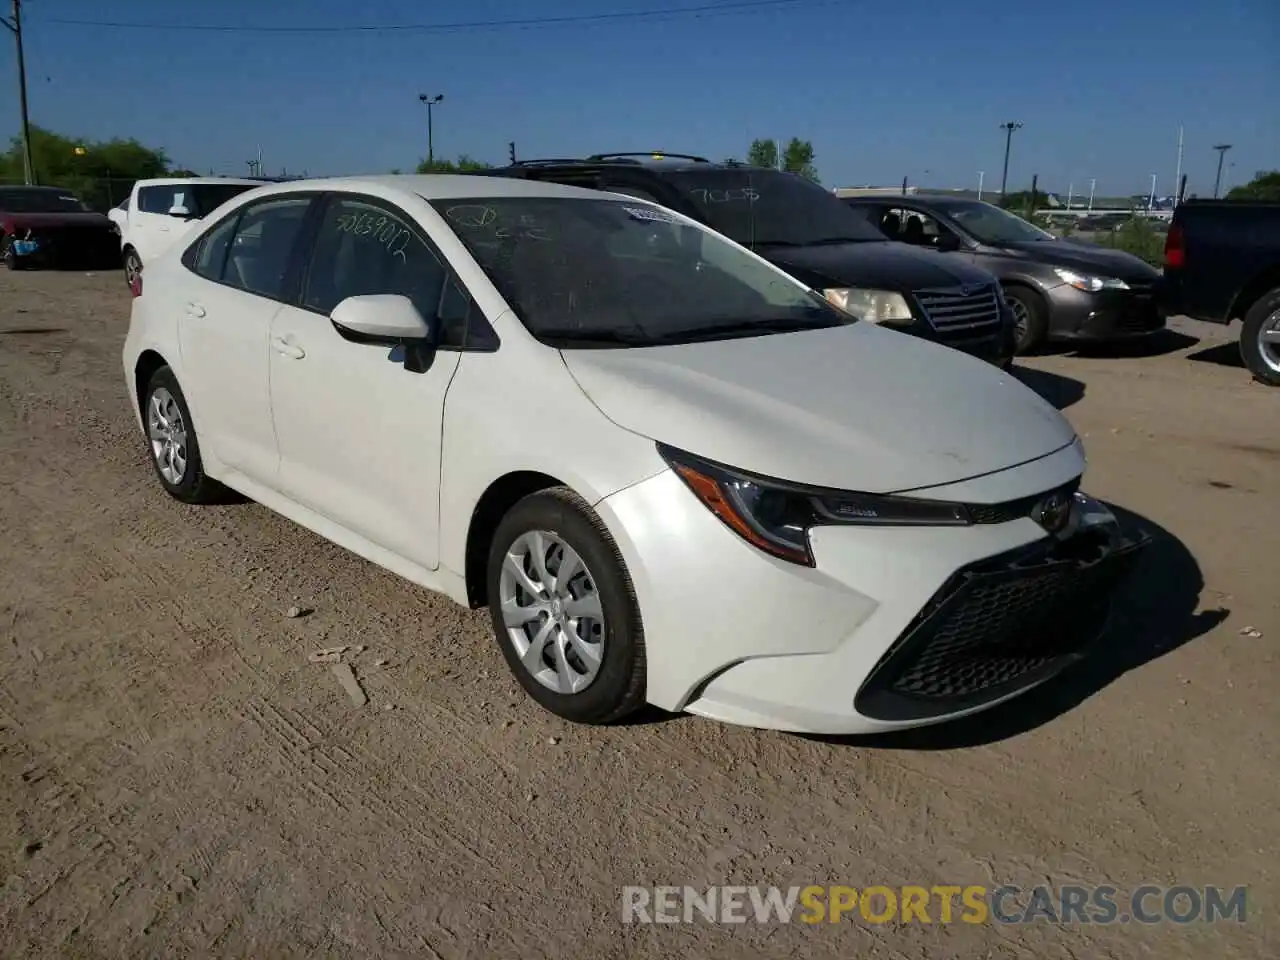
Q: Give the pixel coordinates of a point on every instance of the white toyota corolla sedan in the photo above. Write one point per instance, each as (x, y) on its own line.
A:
(672, 473)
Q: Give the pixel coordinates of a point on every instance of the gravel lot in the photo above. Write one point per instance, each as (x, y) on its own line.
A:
(178, 779)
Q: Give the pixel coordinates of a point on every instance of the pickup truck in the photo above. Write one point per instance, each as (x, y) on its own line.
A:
(1222, 261)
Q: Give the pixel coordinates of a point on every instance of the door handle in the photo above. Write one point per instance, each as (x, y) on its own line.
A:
(195, 311)
(287, 349)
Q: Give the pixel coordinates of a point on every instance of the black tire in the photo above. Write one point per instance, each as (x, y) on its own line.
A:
(618, 687)
(10, 258)
(1261, 316)
(132, 265)
(193, 486)
(1032, 314)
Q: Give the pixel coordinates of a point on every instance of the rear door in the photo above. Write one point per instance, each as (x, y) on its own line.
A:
(151, 229)
(241, 271)
(359, 434)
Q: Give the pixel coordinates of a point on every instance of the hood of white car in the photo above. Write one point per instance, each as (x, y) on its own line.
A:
(854, 407)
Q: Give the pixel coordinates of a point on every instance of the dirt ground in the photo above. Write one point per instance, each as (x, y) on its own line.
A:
(178, 779)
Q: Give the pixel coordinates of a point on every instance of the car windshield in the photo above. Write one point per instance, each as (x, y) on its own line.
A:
(990, 224)
(210, 196)
(585, 272)
(762, 207)
(41, 201)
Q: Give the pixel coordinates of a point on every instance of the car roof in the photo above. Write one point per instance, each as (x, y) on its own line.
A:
(919, 199)
(33, 188)
(656, 163)
(435, 186)
(196, 181)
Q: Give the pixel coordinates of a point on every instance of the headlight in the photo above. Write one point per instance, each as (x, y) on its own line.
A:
(1088, 283)
(776, 516)
(874, 306)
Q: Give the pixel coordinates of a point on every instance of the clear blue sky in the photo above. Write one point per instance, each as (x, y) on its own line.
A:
(883, 88)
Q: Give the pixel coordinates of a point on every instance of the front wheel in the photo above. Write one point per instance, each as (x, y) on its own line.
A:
(564, 609)
(1030, 319)
(10, 256)
(1260, 339)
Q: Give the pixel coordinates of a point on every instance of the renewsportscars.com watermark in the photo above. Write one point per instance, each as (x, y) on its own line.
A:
(1147, 904)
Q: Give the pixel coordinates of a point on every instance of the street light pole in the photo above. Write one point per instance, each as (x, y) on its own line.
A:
(981, 175)
(431, 147)
(1093, 182)
(14, 25)
(1222, 149)
(1008, 129)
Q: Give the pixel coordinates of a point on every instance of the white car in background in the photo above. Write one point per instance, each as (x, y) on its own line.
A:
(119, 214)
(671, 472)
(160, 211)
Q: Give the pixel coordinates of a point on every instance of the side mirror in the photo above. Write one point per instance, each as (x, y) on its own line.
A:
(389, 320)
(178, 210)
(947, 241)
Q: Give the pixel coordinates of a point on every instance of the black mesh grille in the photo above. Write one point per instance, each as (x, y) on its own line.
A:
(1014, 509)
(998, 627)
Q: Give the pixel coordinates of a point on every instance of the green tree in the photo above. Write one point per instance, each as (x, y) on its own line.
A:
(798, 158)
(763, 153)
(464, 164)
(99, 172)
(1265, 185)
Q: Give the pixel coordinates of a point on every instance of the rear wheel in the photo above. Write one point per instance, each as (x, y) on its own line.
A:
(132, 266)
(171, 439)
(1030, 319)
(564, 610)
(1260, 339)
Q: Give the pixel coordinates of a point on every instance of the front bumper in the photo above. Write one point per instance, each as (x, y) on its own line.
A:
(73, 247)
(894, 628)
(1108, 315)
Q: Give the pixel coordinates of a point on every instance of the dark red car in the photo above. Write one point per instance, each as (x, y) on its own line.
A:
(49, 226)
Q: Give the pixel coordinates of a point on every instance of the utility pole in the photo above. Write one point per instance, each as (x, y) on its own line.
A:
(1008, 129)
(981, 175)
(431, 147)
(1177, 177)
(14, 24)
(1151, 201)
(1222, 149)
(1093, 182)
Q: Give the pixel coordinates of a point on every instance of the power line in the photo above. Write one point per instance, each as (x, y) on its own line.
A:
(704, 10)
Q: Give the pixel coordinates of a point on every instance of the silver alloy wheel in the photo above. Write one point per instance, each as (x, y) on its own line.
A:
(1269, 341)
(552, 611)
(168, 434)
(1021, 317)
(132, 267)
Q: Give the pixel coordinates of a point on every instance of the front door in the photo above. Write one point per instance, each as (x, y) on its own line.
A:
(359, 434)
(224, 328)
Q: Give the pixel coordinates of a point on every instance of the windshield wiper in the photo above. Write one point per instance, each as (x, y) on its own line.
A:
(593, 336)
(832, 241)
(740, 328)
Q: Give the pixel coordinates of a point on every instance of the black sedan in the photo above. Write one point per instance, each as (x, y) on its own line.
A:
(1059, 290)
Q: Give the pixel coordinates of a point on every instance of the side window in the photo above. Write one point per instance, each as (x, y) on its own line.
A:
(266, 231)
(889, 220)
(155, 199)
(367, 247)
(919, 228)
(211, 250)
